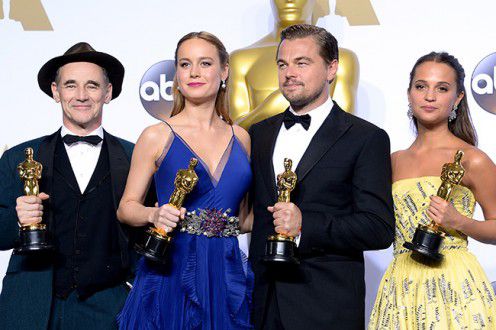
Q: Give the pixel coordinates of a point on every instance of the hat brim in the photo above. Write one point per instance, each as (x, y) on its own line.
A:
(114, 68)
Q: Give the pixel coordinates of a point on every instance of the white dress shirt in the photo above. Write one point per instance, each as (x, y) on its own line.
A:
(83, 157)
(293, 142)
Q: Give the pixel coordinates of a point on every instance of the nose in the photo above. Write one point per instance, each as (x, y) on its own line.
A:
(430, 95)
(81, 94)
(195, 71)
(290, 71)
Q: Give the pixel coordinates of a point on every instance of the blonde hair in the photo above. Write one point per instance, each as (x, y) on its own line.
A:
(221, 102)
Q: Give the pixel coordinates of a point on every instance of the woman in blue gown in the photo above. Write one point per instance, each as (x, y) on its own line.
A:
(206, 283)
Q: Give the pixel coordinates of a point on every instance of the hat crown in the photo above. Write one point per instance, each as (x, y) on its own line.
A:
(82, 52)
(80, 47)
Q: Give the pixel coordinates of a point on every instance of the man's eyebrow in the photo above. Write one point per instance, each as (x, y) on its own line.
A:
(96, 83)
(303, 58)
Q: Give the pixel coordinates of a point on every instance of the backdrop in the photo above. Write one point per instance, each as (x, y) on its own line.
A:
(142, 33)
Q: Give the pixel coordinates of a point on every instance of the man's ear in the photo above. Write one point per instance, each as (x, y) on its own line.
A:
(55, 92)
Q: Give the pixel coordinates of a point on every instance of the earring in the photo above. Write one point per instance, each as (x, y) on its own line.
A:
(178, 88)
(452, 115)
(409, 113)
(223, 85)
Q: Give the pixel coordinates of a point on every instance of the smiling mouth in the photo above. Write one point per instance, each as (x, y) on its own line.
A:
(81, 107)
(195, 84)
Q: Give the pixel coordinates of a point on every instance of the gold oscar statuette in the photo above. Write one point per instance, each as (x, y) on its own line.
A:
(281, 248)
(157, 239)
(428, 238)
(32, 237)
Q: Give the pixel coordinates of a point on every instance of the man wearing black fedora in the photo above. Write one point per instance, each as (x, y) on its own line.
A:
(80, 284)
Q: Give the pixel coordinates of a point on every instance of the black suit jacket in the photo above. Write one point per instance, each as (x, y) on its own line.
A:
(344, 194)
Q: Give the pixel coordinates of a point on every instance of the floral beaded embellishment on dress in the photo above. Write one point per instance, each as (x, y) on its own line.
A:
(211, 223)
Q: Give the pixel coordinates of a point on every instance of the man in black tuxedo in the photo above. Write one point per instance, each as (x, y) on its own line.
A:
(81, 284)
(342, 203)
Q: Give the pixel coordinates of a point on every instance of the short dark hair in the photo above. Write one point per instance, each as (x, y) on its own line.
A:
(327, 43)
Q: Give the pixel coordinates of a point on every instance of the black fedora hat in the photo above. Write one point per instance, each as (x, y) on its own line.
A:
(82, 52)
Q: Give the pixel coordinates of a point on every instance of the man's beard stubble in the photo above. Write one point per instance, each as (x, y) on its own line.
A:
(300, 101)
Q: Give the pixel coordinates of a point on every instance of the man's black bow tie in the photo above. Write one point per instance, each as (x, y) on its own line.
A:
(290, 119)
(91, 139)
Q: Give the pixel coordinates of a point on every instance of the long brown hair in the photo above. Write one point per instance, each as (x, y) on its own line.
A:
(462, 126)
(221, 102)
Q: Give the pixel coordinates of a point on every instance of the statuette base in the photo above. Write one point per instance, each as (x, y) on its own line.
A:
(426, 242)
(33, 238)
(281, 250)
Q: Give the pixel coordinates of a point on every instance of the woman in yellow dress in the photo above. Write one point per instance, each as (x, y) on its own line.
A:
(454, 293)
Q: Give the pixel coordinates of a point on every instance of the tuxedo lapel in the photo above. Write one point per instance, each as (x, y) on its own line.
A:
(45, 155)
(334, 126)
(119, 167)
(62, 165)
(267, 144)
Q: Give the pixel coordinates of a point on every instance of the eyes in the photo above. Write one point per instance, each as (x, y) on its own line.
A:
(203, 64)
(90, 86)
(424, 87)
(299, 64)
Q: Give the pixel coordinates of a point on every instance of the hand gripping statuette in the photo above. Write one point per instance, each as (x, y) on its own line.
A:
(281, 248)
(428, 238)
(157, 240)
(32, 237)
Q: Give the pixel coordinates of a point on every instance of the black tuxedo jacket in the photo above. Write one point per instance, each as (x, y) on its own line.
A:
(344, 194)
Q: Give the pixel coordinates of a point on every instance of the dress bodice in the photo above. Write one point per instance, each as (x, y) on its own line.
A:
(411, 200)
(221, 190)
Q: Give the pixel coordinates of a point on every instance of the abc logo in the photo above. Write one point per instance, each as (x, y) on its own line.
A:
(483, 83)
(156, 89)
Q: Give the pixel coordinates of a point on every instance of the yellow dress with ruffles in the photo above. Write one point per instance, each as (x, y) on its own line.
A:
(452, 294)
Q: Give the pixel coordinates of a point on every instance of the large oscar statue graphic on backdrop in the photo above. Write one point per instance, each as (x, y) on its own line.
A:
(253, 80)
(27, 15)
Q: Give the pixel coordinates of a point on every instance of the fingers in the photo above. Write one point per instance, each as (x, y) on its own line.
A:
(283, 225)
(182, 213)
(287, 218)
(283, 214)
(28, 203)
(433, 216)
(29, 220)
(29, 209)
(167, 217)
(281, 230)
(43, 196)
(29, 200)
(280, 206)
